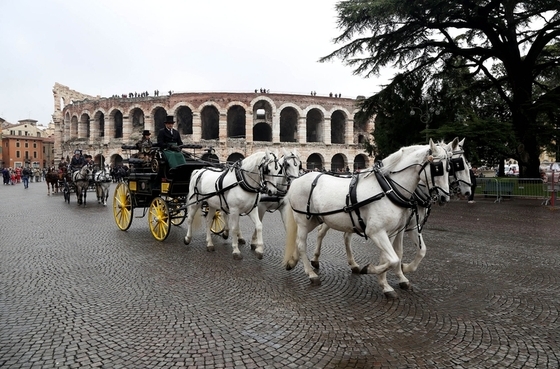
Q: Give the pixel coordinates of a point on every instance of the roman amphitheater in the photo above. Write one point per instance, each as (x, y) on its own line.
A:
(234, 125)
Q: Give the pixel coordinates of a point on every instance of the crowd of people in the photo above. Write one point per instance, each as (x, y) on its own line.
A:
(25, 175)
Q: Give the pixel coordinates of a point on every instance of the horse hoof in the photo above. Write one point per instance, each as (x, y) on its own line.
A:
(224, 235)
(210, 248)
(315, 264)
(315, 281)
(289, 267)
(259, 255)
(405, 286)
(237, 256)
(364, 270)
(186, 240)
(241, 241)
(356, 270)
(391, 295)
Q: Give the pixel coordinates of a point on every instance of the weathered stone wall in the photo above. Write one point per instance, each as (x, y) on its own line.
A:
(78, 123)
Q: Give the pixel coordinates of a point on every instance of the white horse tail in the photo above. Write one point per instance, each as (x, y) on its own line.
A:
(291, 255)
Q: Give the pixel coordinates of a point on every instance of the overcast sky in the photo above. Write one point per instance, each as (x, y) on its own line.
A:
(107, 47)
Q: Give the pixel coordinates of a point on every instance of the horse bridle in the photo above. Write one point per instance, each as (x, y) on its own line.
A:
(283, 172)
(458, 165)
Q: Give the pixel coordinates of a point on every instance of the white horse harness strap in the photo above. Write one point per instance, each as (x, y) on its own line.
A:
(353, 206)
(220, 190)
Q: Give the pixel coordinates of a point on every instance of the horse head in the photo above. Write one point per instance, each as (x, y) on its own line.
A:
(459, 176)
(270, 169)
(436, 172)
(290, 167)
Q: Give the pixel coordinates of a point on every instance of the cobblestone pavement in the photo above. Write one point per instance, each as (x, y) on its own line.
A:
(77, 292)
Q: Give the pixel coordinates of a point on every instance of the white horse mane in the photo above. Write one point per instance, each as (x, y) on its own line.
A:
(253, 161)
(418, 152)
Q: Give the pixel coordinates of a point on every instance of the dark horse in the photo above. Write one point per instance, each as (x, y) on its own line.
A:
(52, 178)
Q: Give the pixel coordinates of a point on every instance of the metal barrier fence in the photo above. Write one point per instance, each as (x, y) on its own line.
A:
(507, 188)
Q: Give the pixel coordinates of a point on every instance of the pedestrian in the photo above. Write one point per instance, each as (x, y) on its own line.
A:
(6, 176)
(473, 185)
(25, 174)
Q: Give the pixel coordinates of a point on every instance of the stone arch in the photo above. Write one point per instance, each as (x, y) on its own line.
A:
(315, 162)
(233, 157)
(65, 127)
(262, 132)
(314, 122)
(236, 119)
(263, 111)
(184, 116)
(338, 127)
(98, 125)
(136, 116)
(159, 114)
(74, 127)
(210, 122)
(289, 118)
(116, 126)
(360, 162)
(83, 126)
(338, 163)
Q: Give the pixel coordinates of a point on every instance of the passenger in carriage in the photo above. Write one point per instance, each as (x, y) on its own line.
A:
(78, 161)
(168, 136)
(144, 145)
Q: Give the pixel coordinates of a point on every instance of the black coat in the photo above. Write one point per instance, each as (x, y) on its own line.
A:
(165, 137)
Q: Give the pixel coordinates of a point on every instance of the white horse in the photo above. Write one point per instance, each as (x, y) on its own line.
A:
(459, 180)
(235, 192)
(290, 166)
(374, 203)
(81, 179)
(102, 179)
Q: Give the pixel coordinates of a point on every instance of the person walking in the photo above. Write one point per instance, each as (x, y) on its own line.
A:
(25, 174)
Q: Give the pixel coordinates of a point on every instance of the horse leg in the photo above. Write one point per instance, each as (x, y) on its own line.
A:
(98, 192)
(254, 240)
(321, 233)
(191, 211)
(301, 240)
(233, 219)
(209, 218)
(259, 247)
(349, 254)
(387, 260)
(418, 240)
(398, 247)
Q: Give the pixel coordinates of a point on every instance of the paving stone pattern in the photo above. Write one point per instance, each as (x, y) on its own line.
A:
(76, 292)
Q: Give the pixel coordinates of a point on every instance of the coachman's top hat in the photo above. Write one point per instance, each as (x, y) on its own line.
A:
(169, 119)
(146, 133)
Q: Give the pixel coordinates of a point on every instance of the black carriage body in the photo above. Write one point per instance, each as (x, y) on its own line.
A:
(166, 174)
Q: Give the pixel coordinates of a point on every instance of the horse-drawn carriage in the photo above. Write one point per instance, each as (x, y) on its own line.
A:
(158, 183)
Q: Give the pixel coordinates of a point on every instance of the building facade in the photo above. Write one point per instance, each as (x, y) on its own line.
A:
(26, 144)
(235, 125)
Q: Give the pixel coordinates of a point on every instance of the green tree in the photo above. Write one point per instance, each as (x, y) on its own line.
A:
(503, 43)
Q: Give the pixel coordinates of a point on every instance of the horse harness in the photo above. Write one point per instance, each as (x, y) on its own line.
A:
(240, 181)
(389, 188)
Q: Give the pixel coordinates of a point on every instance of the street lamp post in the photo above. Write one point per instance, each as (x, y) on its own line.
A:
(425, 115)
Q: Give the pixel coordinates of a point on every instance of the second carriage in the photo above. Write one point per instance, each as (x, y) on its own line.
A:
(158, 183)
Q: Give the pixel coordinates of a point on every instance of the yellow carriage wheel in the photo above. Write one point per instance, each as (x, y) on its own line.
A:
(218, 223)
(122, 206)
(159, 219)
